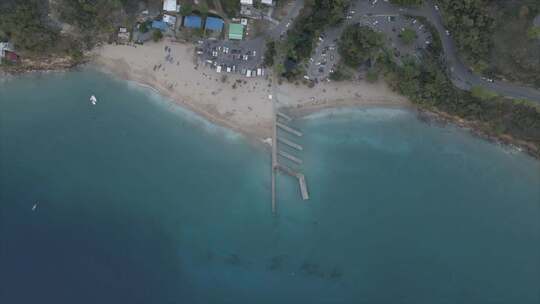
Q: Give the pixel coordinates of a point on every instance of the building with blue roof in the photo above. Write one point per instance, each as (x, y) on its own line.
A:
(160, 25)
(193, 21)
(214, 24)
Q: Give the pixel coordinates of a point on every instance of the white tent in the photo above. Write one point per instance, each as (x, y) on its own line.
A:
(169, 5)
(267, 2)
(171, 20)
(246, 2)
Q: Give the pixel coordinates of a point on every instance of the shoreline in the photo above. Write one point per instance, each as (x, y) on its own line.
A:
(229, 100)
(256, 124)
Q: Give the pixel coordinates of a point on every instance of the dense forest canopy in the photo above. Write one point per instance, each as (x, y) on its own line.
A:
(494, 37)
(24, 24)
(27, 23)
(359, 44)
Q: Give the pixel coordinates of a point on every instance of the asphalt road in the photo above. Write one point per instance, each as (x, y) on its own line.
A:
(460, 74)
(286, 22)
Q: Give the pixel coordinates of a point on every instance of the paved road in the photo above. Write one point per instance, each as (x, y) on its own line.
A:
(286, 22)
(460, 74)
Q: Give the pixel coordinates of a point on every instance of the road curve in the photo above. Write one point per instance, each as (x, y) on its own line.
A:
(459, 73)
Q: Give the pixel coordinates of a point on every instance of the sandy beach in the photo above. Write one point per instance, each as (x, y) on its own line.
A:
(230, 100)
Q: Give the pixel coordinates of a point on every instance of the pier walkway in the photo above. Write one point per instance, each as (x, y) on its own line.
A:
(284, 116)
(290, 157)
(301, 179)
(290, 143)
(288, 129)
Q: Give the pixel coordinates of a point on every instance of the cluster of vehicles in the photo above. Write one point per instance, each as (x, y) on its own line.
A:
(235, 54)
(231, 59)
(223, 68)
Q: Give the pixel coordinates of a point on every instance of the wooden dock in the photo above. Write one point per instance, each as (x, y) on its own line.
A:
(290, 143)
(290, 157)
(303, 186)
(288, 129)
(284, 116)
(301, 179)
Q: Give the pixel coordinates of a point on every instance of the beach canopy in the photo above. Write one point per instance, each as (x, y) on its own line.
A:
(159, 25)
(236, 31)
(192, 21)
(214, 24)
(170, 6)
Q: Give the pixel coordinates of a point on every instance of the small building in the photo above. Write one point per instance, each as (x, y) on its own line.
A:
(10, 56)
(193, 21)
(170, 20)
(123, 34)
(5, 47)
(236, 31)
(171, 6)
(214, 24)
(246, 2)
(267, 2)
(160, 25)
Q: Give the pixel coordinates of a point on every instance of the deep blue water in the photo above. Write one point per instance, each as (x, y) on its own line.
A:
(142, 202)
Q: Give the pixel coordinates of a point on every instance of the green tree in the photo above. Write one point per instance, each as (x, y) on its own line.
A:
(21, 23)
(157, 35)
(231, 7)
(270, 53)
(203, 9)
(471, 25)
(186, 9)
(534, 32)
(372, 75)
(358, 44)
(408, 36)
(144, 27)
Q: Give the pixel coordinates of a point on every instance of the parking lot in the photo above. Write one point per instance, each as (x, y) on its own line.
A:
(241, 57)
(392, 27)
(325, 57)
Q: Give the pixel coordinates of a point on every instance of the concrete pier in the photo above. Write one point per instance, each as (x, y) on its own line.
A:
(303, 186)
(284, 116)
(290, 157)
(301, 180)
(288, 129)
(290, 143)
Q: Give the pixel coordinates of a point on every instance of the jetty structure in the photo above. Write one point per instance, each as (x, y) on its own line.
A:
(280, 156)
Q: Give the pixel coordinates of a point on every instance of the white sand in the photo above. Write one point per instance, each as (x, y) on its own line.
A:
(246, 108)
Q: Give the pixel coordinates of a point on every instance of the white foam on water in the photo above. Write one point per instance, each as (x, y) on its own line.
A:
(192, 117)
(369, 113)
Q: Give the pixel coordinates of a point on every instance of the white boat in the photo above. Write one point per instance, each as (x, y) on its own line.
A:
(93, 100)
(34, 207)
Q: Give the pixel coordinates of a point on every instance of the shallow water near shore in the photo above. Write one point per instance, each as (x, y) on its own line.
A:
(143, 202)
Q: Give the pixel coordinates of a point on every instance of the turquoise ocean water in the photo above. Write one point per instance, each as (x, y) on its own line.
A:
(143, 202)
